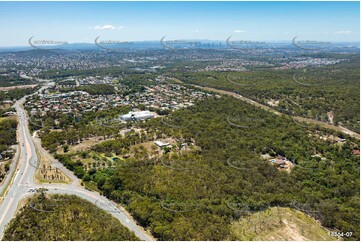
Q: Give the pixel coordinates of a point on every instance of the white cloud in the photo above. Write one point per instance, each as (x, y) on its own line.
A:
(344, 32)
(239, 31)
(106, 27)
(195, 30)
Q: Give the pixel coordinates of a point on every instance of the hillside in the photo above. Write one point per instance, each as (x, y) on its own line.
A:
(279, 224)
(64, 217)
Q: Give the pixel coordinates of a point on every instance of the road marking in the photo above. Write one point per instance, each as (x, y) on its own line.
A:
(7, 209)
(88, 193)
(28, 154)
(17, 173)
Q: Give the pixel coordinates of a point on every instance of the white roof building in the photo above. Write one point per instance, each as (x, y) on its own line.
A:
(141, 115)
(160, 143)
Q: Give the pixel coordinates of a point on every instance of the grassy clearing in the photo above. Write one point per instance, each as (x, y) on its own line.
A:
(46, 174)
(279, 224)
(92, 186)
(84, 145)
(9, 118)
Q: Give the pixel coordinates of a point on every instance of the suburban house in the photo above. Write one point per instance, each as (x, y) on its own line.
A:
(281, 162)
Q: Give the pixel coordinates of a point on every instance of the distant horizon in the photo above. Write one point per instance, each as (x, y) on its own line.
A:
(158, 41)
(81, 22)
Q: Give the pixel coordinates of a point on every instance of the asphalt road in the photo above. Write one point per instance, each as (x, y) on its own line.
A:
(23, 183)
(7, 179)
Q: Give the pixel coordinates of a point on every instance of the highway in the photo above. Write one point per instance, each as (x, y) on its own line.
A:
(22, 184)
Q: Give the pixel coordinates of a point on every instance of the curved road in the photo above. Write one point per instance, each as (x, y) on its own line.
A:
(23, 184)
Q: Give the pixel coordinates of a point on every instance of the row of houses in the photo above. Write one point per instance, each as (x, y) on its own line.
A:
(163, 96)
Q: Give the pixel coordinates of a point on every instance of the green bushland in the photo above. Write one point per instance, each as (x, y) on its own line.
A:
(189, 202)
(96, 89)
(308, 92)
(64, 217)
(16, 93)
(7, 133)
(13, 80)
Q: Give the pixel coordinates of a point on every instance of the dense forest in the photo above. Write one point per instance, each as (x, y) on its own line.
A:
(16, 94)
(308, 92)
(13, 80)
(64, 217)
(189, 196)
(7, 133)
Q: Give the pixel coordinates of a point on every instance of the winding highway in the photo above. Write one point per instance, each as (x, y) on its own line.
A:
(21, 183)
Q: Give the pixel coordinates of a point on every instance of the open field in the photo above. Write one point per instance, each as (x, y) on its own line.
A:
(17, 87)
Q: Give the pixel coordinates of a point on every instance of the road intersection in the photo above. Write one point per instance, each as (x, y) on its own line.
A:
(23, 185)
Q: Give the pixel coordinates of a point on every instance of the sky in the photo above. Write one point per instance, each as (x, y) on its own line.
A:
(82, 22)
